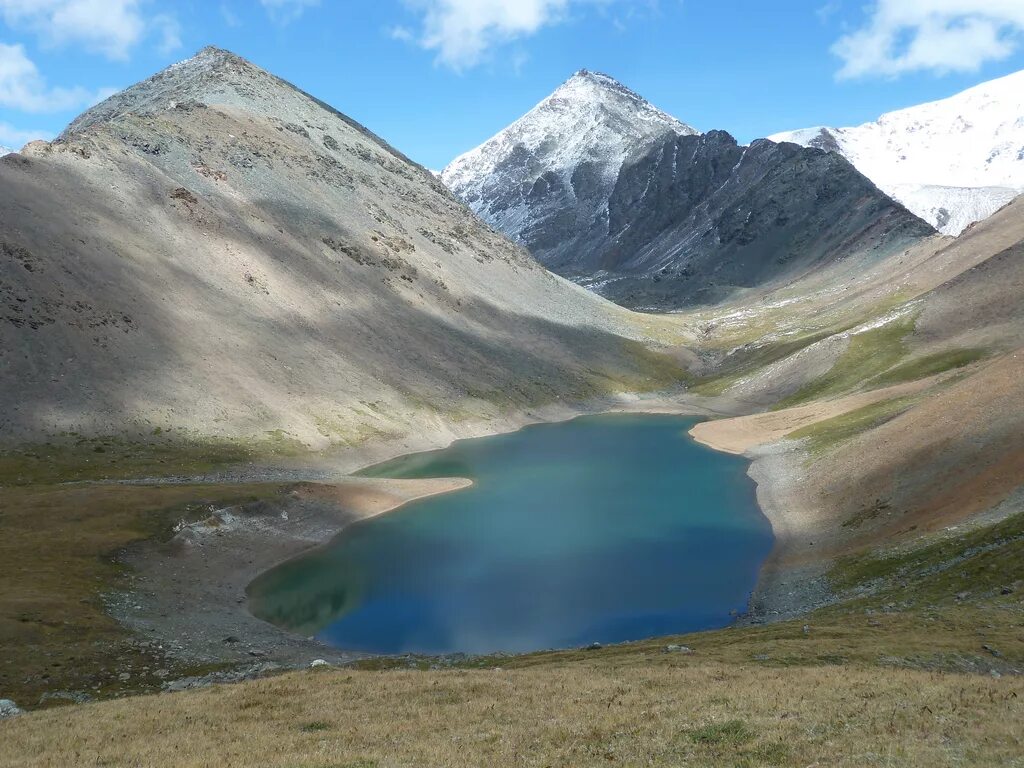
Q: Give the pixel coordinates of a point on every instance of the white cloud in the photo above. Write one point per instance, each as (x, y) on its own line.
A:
(463, 31)
(108, 27)
(16, 138)
(111, 28)
(229, 16)
(168, 30)
(284, 11)
(931, 35)
(404, 34)
(22, 87)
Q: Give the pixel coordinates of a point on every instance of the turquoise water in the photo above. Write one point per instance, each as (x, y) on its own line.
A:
(602, 529)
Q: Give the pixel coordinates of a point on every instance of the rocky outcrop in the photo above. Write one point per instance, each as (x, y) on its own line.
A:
(8, 709)
(700, 218)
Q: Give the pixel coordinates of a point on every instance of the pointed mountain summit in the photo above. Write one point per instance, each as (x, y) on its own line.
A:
(552, 171)
(215, 77)
(952, 162)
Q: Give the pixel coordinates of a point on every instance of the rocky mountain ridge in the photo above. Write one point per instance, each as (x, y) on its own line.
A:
(546, 179)
(666, 218)
(703, 218)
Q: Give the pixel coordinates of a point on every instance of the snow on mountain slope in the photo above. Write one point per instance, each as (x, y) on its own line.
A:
(952, 209)
(5, 150)
(554, 169)
(952, 162)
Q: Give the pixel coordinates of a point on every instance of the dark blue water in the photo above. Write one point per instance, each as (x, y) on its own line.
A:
(602, 529)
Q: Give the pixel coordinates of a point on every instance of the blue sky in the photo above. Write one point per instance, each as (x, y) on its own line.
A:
(437, 77)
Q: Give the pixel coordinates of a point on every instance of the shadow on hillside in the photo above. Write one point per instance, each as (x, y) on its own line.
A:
(133, 325)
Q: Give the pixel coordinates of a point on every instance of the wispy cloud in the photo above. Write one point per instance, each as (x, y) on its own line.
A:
(111, 28)
(285, 11)
(901, 36)
(22, 87)
(229, 16)
(404, 34)
(16, 138)
(168, 32)
(463, 32)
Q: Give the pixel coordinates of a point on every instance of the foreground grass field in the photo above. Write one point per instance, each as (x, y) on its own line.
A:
(58, 553)
(678, 711)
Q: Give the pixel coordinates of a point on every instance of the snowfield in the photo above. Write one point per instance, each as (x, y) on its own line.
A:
(952, 162)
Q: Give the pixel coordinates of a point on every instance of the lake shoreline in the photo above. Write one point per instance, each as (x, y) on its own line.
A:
(191, 593)
(555, 510)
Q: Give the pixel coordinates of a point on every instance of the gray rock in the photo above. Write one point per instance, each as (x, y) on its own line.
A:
(9, 709)
(678, 649)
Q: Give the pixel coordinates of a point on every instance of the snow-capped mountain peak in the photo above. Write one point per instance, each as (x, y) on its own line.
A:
(596, 90)
(591, 116)
(565, 154)
(952, 162)
(5, 150)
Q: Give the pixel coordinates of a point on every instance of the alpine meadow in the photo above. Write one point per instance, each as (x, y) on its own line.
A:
(621, 439)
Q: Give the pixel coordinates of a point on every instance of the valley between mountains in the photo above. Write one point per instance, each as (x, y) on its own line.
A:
(220, 297)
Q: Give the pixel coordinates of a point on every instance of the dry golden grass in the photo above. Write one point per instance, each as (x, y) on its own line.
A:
(57, 555)
(681, 712)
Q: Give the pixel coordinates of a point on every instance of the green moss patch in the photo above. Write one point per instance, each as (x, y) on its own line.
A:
(825, 435)
(974, 564)
(730, 732)
(930, 365)
(747, 361)
(73, 458)
(868, 355)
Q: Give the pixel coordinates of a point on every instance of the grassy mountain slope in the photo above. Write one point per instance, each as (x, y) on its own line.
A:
(904, 423)
(214, 254)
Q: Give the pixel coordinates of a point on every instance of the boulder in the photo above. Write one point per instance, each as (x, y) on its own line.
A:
(678, 649)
